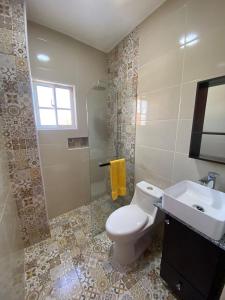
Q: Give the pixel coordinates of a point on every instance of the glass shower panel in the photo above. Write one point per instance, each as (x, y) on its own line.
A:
(100, 150)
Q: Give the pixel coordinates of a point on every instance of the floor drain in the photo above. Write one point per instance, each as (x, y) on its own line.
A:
(198, 207)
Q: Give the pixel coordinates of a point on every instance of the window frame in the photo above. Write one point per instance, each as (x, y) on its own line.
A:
(37, 108)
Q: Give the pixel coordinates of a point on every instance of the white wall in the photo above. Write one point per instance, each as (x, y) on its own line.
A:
(65, 172)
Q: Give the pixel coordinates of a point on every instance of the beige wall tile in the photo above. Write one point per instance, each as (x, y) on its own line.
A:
(205, 16)
(67, 182)
(65, 172)
(186, 168)
(164, 71)
(162, 64)
(55, 136)
(158, 38)
(60, 154)
(183, 136)
(206, 58)
(157, 134)
(161, 182)
(188, 93)
(154, 162)
(160, 105)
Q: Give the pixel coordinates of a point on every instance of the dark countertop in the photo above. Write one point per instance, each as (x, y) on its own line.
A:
(220, 243)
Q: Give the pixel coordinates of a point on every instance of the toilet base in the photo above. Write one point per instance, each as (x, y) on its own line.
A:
(127, 253)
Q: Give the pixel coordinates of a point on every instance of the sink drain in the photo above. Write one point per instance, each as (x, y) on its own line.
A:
(198, 207)
(149, 188)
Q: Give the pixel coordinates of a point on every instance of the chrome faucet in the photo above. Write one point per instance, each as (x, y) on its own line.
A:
(209, 180)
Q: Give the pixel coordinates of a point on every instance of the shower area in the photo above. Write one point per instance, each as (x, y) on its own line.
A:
(70, 158)
(102, 132)
(111, 108)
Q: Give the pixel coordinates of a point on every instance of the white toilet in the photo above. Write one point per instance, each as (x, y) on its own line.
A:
(129, 226)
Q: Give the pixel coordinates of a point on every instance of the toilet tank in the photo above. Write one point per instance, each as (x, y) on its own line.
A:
(145, 195)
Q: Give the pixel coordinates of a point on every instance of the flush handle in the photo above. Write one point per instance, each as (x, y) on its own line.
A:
(167, 221)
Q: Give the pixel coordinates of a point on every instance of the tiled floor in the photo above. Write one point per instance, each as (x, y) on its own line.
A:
(74, 265)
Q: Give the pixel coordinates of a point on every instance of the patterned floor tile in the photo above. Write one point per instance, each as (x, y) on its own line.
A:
(119, 288)
(138, 293)
(75, 264)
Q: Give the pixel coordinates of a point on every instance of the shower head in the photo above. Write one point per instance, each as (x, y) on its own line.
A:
(100, 85)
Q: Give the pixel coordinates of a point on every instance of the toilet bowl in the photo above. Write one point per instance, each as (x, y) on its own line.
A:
(129, 226)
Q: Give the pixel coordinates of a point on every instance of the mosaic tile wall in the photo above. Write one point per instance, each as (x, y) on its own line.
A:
(18, 127)
(123, 76)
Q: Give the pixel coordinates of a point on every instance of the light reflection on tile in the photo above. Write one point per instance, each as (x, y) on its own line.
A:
(74, 264)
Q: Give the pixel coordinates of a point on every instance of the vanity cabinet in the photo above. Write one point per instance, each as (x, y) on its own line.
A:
(192, 266)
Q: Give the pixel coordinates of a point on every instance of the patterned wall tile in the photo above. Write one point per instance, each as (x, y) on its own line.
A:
(123, 76)
(18, 126)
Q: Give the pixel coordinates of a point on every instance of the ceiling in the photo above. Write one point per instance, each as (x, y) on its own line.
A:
(98, 23)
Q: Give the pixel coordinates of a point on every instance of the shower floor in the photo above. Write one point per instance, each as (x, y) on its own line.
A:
(73, 264)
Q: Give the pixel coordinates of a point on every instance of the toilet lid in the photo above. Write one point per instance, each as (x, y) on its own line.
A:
(126, 220)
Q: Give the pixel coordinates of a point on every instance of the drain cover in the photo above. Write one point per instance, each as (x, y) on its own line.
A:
(198, 207)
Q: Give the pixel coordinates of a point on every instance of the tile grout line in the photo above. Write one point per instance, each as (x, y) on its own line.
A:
(180, 100)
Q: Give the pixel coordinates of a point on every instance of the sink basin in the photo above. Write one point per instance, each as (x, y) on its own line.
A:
(199, 206)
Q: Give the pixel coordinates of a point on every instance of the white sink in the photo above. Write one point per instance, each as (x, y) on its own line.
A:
(199, 206)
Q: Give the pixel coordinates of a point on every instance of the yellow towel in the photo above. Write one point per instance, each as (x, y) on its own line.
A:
(118, 178)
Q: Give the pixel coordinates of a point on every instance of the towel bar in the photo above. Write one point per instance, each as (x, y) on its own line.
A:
(104, 164)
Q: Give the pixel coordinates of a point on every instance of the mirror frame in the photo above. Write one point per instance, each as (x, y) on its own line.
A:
(198, 120)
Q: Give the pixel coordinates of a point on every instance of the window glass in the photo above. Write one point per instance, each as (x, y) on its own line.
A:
(54, 106)
(47, 117)
(45, 96)
(63, 98)
(64, 117)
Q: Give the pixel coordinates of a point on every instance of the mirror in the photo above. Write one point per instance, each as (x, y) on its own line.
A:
(214, 120)
(208, 129)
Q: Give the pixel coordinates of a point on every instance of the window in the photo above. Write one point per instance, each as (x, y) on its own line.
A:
(54, 105)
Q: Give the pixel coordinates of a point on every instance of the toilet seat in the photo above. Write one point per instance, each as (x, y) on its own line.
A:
(126, 220)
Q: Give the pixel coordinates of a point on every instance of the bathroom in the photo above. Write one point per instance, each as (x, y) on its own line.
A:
(109, 186)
